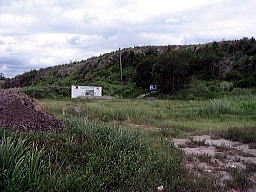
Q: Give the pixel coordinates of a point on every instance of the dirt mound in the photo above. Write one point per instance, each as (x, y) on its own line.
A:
(20, 112)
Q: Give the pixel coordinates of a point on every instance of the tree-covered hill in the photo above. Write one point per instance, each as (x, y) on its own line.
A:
(174, 69)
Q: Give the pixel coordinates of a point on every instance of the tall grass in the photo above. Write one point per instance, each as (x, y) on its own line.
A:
(244, 134)
(233, 105)
(91, 156)
(237, 110)
(21, 167)
(115, 159)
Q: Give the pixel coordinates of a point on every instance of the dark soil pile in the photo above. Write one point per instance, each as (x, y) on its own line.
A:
(20, 112)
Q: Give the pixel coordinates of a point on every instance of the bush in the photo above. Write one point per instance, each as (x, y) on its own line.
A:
(128, 90)
(49, 92)
(201, 90)
(247, 82)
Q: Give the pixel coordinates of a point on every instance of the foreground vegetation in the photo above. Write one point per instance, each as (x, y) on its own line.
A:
(90, 156)
(121, 145)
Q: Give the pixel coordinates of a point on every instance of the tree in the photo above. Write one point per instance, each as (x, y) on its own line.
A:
(172, 71)
(144, 76)
(2, 76)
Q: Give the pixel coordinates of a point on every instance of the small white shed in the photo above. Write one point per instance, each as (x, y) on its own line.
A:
(84, 91)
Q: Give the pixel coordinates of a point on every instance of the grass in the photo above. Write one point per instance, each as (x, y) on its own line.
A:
(239, 179)
(205, 158)
(102, 149)
(245, 134)
(90, 156)
(174, 117)
(123, 160)
(21, 166)
(236, 105)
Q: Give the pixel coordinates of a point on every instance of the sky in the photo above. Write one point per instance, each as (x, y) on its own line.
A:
(40, 33)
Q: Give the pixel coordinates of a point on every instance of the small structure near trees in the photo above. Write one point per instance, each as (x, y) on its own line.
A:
(85, 91)
(152, 87)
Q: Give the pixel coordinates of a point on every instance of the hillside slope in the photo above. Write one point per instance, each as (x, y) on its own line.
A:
(171, 68)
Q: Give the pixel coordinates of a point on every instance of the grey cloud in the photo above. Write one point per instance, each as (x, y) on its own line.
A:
(229, 19)
(74, 40)
(13, 65)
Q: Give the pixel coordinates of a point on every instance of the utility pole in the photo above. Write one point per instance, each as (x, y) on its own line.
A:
(121, 67)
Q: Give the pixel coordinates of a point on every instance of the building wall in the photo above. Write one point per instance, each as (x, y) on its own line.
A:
(78, 91)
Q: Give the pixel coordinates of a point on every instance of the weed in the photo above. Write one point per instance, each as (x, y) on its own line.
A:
(242, 104)
(246, 134)
(250, 167)
(205, 158)
(220, 156)
(239, 179)
(252, 145)
(168, 132)
(222, 148)
(181, 116)
(194, 143)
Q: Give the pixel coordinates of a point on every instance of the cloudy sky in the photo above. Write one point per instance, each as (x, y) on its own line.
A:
(42, 33)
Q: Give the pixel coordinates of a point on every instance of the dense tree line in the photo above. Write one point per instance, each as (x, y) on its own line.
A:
(174, 68)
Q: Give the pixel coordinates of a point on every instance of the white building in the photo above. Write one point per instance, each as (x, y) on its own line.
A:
(84, 91)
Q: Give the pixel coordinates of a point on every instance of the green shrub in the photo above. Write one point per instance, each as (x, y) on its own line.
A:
(201, 90)
(232, 76)
(246, 82)
(49, 92)
(127, 90)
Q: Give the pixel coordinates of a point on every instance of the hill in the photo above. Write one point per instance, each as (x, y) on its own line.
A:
(175, 69)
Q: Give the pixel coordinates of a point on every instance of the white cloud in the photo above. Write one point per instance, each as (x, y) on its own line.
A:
(40, 33)
(172, 20)
(11, 19)
(163, 39)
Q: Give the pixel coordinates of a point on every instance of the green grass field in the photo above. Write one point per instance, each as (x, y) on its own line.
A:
(120, 145)
(192, 117)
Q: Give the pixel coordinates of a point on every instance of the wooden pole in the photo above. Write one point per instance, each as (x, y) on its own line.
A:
(121, 67)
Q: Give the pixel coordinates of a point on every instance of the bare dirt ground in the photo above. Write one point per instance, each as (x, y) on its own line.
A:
(20, 112)
(231, 164)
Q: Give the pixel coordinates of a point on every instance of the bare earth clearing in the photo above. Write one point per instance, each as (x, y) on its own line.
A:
(218, 158)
